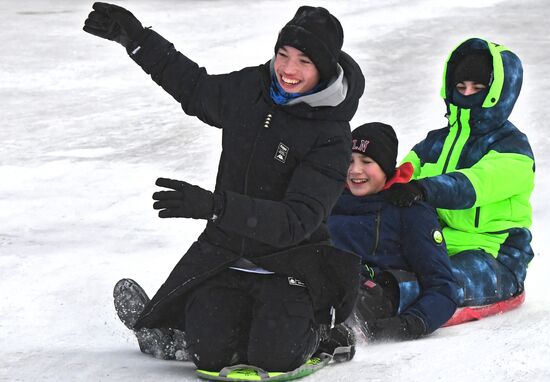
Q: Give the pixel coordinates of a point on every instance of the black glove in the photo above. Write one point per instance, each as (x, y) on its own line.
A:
(113, 23)
(405, 327)
(186, 201)
(338, 342)
(405, 194)
(374, 301)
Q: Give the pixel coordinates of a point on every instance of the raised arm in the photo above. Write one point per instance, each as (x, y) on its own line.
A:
(199, 93)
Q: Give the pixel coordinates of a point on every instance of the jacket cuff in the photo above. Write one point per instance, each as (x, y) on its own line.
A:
(416, 327)
(149, 50)
(218, 206)
(451, 191)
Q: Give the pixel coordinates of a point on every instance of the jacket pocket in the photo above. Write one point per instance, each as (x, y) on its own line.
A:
(492, 216)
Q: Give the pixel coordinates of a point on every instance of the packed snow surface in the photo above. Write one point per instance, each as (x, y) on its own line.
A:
(85, 133)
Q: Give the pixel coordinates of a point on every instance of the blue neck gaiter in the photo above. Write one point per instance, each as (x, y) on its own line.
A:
(281, 97)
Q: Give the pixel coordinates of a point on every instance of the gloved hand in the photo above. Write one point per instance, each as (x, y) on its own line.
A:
(376, 301)
(113, 23)
(404, 327)
(338, 342)
(186, 201)
(405, 194)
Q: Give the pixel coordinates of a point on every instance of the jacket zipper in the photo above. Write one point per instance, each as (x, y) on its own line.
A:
(377, 235)
(266, 125)
(459, 130)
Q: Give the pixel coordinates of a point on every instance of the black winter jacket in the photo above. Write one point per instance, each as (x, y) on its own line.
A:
(275, 206)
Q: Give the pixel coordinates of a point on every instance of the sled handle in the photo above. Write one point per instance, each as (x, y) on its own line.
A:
(228, 369)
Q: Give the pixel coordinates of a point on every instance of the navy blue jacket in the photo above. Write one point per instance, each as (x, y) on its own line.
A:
(395, 238)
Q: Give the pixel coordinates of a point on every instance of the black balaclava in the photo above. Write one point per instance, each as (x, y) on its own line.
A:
(477, 67)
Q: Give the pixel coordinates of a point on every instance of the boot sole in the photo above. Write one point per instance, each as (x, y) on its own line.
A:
(130, 300)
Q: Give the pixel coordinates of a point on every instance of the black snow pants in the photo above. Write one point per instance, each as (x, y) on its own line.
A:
(263, 320)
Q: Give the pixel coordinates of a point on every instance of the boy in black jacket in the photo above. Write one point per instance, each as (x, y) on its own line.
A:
(262, 278)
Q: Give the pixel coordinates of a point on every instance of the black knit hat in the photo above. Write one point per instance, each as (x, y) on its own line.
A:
(379, 142)
(317, 34)
(477, 67)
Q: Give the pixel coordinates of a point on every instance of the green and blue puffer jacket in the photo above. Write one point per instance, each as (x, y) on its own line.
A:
(479, 170)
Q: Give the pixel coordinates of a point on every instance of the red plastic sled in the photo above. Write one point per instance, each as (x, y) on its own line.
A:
(473, 313)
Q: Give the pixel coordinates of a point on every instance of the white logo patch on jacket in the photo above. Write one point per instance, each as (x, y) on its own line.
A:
(282, 152)
(295, 282)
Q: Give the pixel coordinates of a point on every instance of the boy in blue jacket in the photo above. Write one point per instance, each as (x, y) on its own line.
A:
(408, 289)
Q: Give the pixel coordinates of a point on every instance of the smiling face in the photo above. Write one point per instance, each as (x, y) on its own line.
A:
(295, 72)
(365, 177)
(467, 88)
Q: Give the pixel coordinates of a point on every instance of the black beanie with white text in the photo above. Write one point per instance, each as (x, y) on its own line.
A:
(378, 141)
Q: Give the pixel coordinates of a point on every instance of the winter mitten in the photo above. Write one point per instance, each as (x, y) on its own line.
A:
(186, 201)
(114, 23)
(338, 342)
(404, 327)
(405, 194)
(376, 300)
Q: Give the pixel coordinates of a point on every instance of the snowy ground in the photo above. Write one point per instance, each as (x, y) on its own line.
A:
(85, 133)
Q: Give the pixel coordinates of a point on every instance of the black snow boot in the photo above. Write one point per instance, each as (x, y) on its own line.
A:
(339, 342)
(130, 300)
(376, 299)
